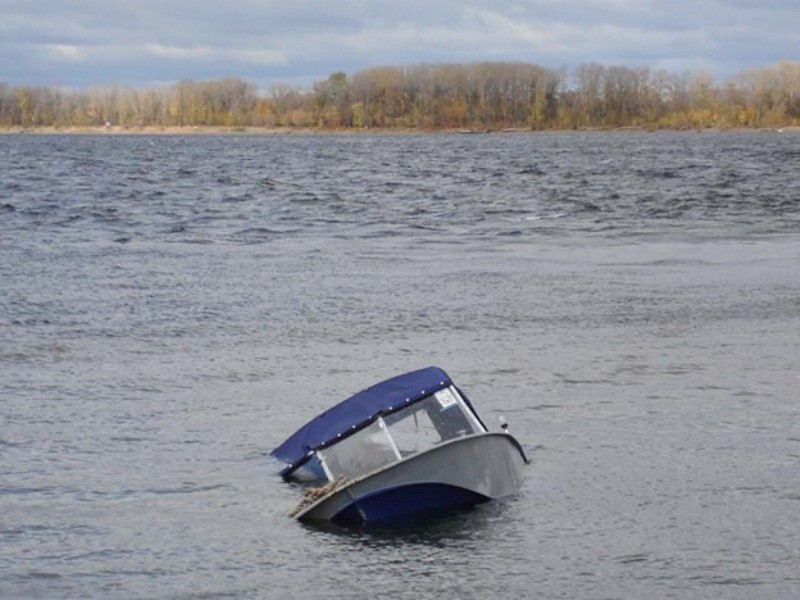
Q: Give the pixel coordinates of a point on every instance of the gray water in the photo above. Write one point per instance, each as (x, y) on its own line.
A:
(172, 307)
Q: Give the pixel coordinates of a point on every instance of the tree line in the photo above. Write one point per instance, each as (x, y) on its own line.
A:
(478, 96)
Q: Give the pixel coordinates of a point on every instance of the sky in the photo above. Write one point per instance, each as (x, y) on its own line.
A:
(150, 43)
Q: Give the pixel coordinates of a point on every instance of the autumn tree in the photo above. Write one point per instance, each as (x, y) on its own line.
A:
(479, 96)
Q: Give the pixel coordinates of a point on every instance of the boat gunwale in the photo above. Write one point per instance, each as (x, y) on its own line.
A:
(351, 482)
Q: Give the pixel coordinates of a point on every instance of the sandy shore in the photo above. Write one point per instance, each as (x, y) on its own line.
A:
(208, 130)
(117, 130)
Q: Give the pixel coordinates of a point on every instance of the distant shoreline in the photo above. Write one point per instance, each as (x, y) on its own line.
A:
(255, 130)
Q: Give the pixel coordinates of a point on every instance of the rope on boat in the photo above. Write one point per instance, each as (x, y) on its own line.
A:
(313, 494)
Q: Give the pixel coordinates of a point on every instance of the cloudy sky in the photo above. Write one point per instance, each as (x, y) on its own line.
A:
(77, 43)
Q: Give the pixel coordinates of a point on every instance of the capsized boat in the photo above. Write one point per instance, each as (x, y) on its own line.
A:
(408, 447)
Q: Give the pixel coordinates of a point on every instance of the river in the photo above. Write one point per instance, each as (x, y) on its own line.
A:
(172, 307)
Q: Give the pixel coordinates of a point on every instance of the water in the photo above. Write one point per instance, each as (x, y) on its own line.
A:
(172, 307)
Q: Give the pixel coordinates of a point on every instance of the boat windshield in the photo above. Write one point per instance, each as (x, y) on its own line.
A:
(438, 418)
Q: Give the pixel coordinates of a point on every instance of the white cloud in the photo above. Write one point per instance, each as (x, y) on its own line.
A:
(509, 29)
(178, 53)
(195, 53)
(62, 53)
(78, 43)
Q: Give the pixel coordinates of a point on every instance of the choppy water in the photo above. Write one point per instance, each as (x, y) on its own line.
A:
(172, 307)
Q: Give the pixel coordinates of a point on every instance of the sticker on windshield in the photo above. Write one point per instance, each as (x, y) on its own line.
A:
(445, 398)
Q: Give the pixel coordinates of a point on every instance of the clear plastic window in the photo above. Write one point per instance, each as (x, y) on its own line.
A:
(360, 453)
(412, 430)
(438, 418)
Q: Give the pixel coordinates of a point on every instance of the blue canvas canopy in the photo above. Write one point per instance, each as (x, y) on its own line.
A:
(358, 411)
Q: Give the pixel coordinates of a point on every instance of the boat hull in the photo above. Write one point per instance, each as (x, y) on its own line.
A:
(456, 474)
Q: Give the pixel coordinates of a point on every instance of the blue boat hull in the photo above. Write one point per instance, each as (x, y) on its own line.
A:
(407, 503)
